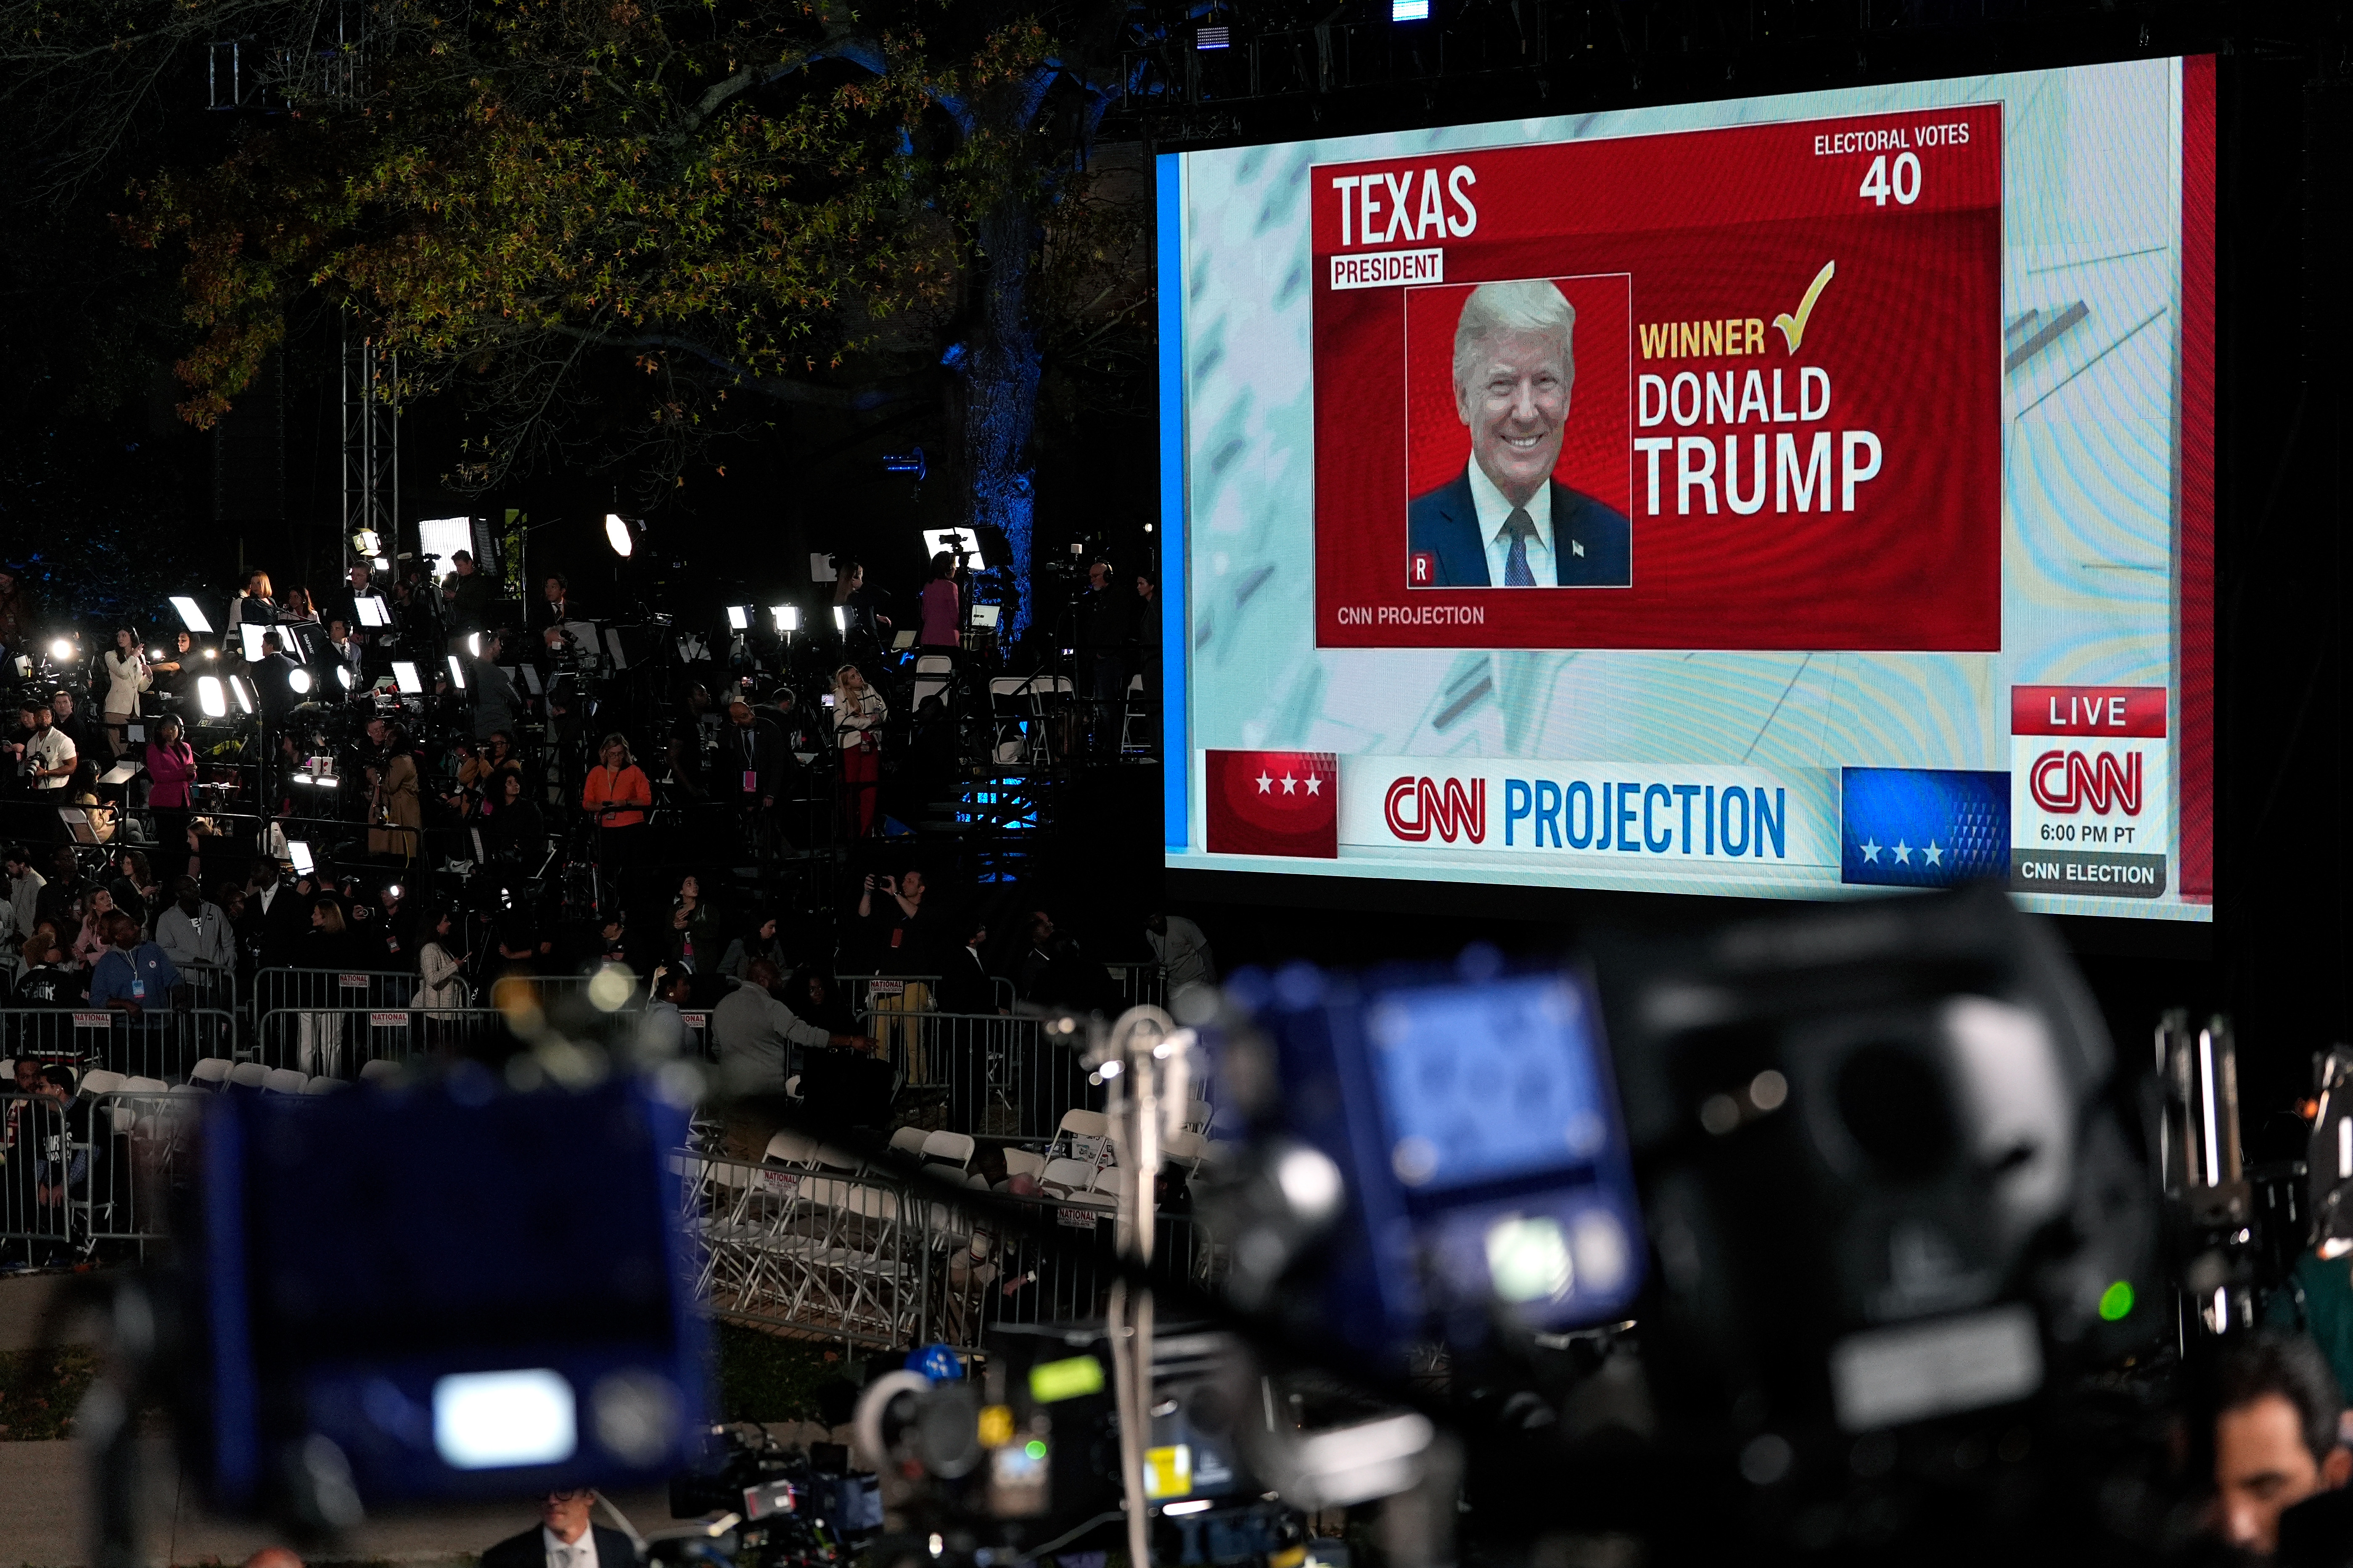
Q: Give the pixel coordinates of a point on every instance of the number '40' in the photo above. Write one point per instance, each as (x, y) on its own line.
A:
(1903, 182)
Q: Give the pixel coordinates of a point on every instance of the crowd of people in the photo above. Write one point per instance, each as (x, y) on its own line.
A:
(397, 775)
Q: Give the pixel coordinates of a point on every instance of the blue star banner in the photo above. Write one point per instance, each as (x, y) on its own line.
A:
(1921, 827)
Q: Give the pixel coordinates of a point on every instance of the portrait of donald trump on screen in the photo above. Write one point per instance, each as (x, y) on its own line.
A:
(1504, 522)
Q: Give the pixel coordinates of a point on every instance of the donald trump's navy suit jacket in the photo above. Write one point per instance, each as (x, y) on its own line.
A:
(1591, 544)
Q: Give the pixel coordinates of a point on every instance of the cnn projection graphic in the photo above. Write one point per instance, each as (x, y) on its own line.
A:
(1699, 390)
(1809, 496)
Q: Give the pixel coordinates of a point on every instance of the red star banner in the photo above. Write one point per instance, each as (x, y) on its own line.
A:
(1274, 803)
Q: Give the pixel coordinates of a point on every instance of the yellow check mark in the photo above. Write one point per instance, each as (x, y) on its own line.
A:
(1793, 328)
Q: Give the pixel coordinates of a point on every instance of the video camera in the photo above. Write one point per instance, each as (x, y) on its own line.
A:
(798, 1508)
(1807, 1231)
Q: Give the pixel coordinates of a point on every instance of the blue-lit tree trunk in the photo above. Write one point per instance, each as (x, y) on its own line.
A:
(1000, 407)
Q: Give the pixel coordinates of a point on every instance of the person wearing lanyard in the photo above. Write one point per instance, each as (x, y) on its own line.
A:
(691, 928)
(132, 976)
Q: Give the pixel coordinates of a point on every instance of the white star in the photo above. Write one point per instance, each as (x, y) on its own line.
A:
(1264, 783)
(1871, 851)
(1314, 784)
(1290, 784)
(1902, 853)
(1935, 856)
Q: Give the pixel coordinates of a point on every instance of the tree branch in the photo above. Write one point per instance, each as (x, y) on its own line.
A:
(839, 43)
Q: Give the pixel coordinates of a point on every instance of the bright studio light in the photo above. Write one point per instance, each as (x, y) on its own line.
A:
(366, 542)
(840, 619)
(344, 675)
(211, 698)
(457, 673)
(739, 617)
(299, 679)
(789, 616)
(62, 650)
(191, 617)
(242, 689)
(616, 534)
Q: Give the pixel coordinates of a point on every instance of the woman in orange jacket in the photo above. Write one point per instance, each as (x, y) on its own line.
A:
(618, 794)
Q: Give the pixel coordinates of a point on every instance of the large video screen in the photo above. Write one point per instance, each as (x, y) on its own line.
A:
(1794, 497)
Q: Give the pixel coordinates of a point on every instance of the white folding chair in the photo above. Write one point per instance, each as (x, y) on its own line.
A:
(1017, 712)
(1185, 1149)
(285, 1080)
(324, 1085)
(248, 1074)
(1022, 1162)
(1083, 1135)
(1072, 1179)
(791, 1148)
(951, 1149)
(134, 1085)
(1197, 1115)
(211, 1072)
(97, 1080)
(379, 1070)
(909, 1140)
(1134, 727)
(935, 664)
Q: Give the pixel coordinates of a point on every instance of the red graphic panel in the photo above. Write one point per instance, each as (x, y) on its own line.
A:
(1808, 453)
(2094, 711)
(1274, 803)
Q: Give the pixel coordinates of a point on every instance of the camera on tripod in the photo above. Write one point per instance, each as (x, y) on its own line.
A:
(797, 1508)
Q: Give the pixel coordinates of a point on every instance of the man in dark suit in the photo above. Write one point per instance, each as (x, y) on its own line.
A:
(965, 985)
(564, 1538)
(273, 677)
(1504, 522)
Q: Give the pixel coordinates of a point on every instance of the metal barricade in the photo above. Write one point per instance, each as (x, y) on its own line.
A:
(890, 1003)
(1140, 985)
(283, 990)
(902, 992)
(1005, 1077)
(211, 985)
(339, 1042)
(141, 1148)
(834, 1253)
(699, 1042)
(1013, 1277)
(275, 990)
(34, 1219)
(910, 993)
(278, 989)
(551, 988)
(880, 1259)
(160, 1042)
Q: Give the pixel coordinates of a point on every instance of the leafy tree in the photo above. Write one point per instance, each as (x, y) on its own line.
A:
(748, 205)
